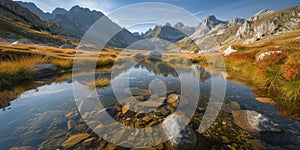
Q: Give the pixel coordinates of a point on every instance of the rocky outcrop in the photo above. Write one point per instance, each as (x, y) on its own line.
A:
(269, 23)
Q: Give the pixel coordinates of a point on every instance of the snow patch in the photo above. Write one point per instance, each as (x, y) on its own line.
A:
(229, 50)
(262, 55)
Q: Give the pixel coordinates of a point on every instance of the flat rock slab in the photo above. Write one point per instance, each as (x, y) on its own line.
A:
(75, 139)
(265, 100)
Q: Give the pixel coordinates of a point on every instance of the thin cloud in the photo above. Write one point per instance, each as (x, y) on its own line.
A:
(100, 5)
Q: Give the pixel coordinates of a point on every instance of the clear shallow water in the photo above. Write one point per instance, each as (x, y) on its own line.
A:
(39, 118)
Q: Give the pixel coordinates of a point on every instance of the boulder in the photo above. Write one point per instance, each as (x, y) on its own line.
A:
(255, 122)
(45, 70)
(265, 100)
(154, 55)
(139, 56)
(180, 134)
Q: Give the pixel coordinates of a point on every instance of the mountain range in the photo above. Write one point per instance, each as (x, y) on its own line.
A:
(211, 33)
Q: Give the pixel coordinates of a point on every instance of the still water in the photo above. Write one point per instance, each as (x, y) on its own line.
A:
(46, 117)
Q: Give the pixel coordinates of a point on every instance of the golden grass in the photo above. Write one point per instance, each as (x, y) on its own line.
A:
(99, 83)
(18, 61)
(62, 63)
(279, 74)
(15, 71)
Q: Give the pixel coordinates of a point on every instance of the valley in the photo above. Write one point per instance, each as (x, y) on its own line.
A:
(240, 76)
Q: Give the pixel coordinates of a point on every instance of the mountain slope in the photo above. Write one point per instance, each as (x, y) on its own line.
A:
(211, 34)
(216, 34)
(166, 32)
(78, 20)
(14, 11)
(18, 22)
(32, 7)
(273, 23)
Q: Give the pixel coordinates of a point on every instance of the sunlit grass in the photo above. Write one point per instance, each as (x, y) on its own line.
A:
(14, 71)
(99, 83)
(278, 73)
(62, 63)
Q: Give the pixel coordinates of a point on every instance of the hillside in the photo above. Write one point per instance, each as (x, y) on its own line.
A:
(12, 31)
(217, 34)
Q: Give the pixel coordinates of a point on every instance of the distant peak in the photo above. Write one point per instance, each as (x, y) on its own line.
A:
(211, 17)
(77, 7)
(168, 24)
(179, 24)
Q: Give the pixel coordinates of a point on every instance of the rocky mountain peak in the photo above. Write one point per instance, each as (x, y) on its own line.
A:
(168, 24)
(179, 25)
(211, 22)
(59, 11)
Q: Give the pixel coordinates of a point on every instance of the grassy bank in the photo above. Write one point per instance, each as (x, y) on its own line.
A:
(277, 74)
(14, 71)
(18, 61)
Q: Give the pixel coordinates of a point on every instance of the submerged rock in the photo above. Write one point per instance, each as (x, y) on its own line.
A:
(254, 122)
(22, 148)
(179, 132)
(173, 100)
(75, 139)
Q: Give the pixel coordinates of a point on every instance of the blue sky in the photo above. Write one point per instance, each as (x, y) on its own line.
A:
(222, 9)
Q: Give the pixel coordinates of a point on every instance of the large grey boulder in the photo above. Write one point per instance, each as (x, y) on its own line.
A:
(179, 132)
(154, 55)
(45, 70)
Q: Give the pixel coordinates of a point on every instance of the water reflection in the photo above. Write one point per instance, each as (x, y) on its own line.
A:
(46, 117)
